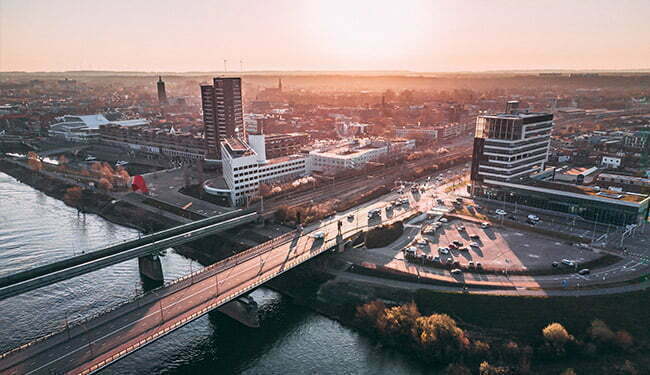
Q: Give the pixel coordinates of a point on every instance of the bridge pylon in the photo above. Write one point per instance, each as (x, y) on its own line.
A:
(151, 268)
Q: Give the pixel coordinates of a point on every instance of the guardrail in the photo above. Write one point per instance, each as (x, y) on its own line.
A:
(113, 249)
(98, 263)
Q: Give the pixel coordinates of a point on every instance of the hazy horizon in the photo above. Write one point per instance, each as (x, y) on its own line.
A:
(316, 36)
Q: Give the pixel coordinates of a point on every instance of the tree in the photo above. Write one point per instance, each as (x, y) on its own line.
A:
(440, 337)
(34, 161)
(557, 337)
(371, 312)
(398, 321)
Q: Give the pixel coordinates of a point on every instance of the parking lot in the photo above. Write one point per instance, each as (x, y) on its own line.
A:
(500, 248)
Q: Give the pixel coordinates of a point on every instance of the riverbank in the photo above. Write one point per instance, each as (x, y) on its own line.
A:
(92, 201)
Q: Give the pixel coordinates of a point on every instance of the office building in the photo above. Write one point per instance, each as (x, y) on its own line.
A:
(222, 112)
(510, 145)
(162, 95)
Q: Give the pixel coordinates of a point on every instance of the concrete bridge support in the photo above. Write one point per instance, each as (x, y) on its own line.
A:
(151, 268)
(244, 310)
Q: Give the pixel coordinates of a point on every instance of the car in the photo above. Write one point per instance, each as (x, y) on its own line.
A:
(389, 208)
(443, 250)
(318, 235)
(474, 236)
(500, 212)
(411, 250)
(479, 266)
(555, 264)
(440, 201)
(456, 263)
(456, 271)
(533, 217)
(351, 216)
(512, 217)
(568, 262)
(463, 248)
(443, 220)
(460, 227)
(457, 243)
(451, 245)
(421, 242)
(470, 264)
(584, 271)
(450, 261)
(436, 259)
(474, 244)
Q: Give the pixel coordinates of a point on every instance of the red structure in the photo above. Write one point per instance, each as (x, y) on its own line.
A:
(139, 184)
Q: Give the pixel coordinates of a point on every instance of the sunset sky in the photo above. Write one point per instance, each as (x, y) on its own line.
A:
(426, 36)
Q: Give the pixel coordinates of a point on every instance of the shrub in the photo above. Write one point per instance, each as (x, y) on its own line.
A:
(398, 322)
(600, 332)
(370, 313)
(480, 349)
(487, 369)
(623, 340)
(440, 337)
(557, 337)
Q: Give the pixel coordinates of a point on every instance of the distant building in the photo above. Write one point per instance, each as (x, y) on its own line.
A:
(611, 161)
(169, 143)
(222, 112)
(417, 132)
(85, 128)
(162, 94)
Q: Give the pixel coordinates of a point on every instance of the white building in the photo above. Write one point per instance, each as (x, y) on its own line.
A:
(245, 166)
(84, 129)
(510, 145)
(611, 161)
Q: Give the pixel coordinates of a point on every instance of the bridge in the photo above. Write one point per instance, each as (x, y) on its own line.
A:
(141, 248)
(90, 344)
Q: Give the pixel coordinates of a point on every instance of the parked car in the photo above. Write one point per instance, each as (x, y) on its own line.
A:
(555, 264)
(485, 225)
(474, 236)
(460, 227)
(479, 266)
(474, 244)
(584, 271)
(318, 235)
(568, 262)
(470, 264)
(443, 250)
(456, 271)
(457, 243)
(351, 217)
(443, 220)
(533, 217)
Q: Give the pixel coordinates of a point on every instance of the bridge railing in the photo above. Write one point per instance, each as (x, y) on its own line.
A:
(207, 272)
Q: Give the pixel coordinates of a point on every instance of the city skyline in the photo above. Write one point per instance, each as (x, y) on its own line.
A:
(420, 36)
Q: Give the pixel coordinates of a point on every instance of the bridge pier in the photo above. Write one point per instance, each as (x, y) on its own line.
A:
(150, 267)
(244, 310)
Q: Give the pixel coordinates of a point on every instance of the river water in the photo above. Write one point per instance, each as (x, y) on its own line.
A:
(36, 229)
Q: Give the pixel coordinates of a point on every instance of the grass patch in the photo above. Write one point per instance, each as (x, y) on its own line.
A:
(384, 235)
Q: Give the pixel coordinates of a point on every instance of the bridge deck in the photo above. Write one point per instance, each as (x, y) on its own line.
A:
(98, 341)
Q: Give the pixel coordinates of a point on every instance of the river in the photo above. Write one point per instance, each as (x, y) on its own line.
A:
(36, 229)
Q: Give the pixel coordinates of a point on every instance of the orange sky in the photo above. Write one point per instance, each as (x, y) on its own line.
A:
(428, 36)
